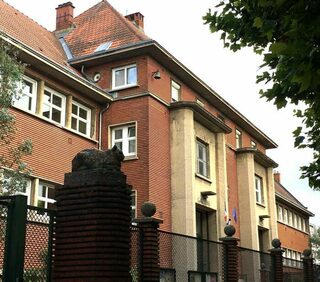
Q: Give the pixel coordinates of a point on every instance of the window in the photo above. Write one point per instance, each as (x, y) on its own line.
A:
(45, 195)
(259, 190)
(303, 223)
(17, 186)
(238, 139)
(285, 215)
(299, 222)
(133, 205)
(80, 118)
(26, 99)
(202, 159)
(54, 106)
(175, 91)
(200, 103)
(280, 213)
(295, 220)
(124, 137)
(290, 218)
(124, 76)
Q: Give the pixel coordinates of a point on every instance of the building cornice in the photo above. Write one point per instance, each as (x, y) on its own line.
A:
(292, 204)
(259, 157)
(161, 55)
(69, 77)
(202, 116)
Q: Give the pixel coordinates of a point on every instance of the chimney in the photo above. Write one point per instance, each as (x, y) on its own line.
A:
(276, 176)
(64, 17)
(136, 19)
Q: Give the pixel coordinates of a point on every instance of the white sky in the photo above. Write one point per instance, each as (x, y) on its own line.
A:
(178, 27)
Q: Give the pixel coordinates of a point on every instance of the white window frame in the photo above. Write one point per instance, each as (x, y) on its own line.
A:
(175, 91)
(238, 139)
(125, 69)
(52, 106)
(204, 160)
(280, 213)
(125, 138)
(285, 215)
(253, 144)
(45, 199)
(21, 93)
(78, 118)
(259, 190)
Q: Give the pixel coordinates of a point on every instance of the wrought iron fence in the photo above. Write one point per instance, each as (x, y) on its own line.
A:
(292, 270)
(135, 254)
(316, 271)
(254, 265)
(28, 229)
(185, 258)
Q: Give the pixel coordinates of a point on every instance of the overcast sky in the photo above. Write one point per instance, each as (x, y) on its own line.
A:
(178, 27)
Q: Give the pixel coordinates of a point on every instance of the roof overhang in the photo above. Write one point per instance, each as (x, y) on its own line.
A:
(52, 69)
(202, 116)
(160, 54)
(259, 157)
(288, 202)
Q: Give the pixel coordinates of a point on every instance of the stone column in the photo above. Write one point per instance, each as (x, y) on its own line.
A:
(149, 244)
(308, 266)
(277, 263)
(92, 230)
(230, 257)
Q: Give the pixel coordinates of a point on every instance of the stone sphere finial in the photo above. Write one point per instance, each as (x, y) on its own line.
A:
(276, 243)
(307, 253)
(148, 209)
(229, 230)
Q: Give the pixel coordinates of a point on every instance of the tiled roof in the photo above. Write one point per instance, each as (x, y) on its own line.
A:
(100, 24)
(280, 190)
(27, 31)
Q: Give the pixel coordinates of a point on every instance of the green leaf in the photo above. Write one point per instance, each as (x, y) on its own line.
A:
(257, 22)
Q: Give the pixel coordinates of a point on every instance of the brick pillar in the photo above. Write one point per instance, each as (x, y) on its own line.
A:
(308, 266)
(277, 263)
(230, 255)
(92, 230)
(149, 244)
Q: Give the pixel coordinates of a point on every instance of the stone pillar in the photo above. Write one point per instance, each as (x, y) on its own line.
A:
(92, 230)
(149, 244)
(230, 255)
(308, 266)
(277, 263)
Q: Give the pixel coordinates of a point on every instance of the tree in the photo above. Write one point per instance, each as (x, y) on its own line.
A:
(315, 243)
(12, 152)
(287, 34)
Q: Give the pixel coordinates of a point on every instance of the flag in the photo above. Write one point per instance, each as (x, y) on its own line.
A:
(234, 215)
(225, 213)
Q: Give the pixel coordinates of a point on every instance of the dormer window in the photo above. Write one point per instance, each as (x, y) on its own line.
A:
(175, 91)
(124, 77)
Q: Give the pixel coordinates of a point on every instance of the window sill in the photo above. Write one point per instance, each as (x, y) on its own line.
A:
(131, 158)
(123, 88)
(261, 205)
(203, 178)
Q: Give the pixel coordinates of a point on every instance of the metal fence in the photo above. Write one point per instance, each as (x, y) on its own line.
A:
(25, 240)
(185, 258)
(316, 273)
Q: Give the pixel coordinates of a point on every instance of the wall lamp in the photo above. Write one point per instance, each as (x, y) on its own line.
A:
(206, 194)
(262, 217)
(156, 74)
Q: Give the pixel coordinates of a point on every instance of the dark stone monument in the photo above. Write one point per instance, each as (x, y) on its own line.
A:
(92, 230)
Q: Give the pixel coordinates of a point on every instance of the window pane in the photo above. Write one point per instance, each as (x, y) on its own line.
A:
(119, 77)
(82, 127)
(57, 101)
(74, 109)
(83, 113)
(47, 97)
(132, 146)
(41, 204)
(42, 191)
(46, 111)
(56, 115)
(132, 131)
(50, 193)
(132, 75)
(74, 123)
(119, 145)
(118, 134)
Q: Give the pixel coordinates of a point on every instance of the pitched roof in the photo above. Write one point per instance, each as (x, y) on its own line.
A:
(24, 29)
(286, 195)
(100, 24)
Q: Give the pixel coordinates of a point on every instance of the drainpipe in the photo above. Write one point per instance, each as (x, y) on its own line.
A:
(100, 124)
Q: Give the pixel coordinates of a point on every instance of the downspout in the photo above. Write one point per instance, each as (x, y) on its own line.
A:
(100, 124)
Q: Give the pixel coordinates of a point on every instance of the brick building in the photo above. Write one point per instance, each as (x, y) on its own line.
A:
(99, 81)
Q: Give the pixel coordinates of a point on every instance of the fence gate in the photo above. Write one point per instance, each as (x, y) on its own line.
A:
(25, 240)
